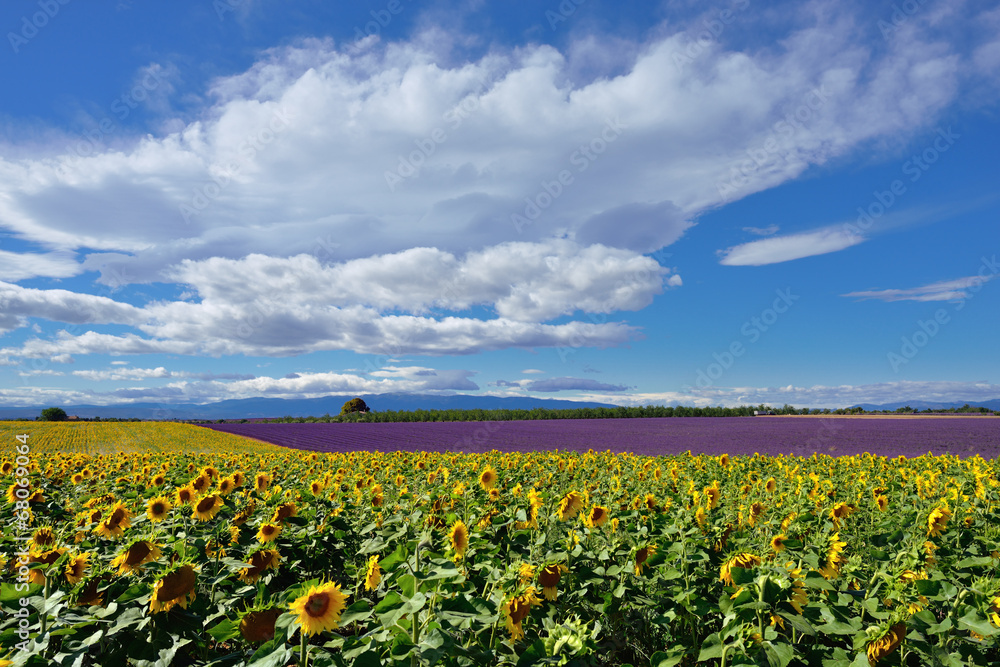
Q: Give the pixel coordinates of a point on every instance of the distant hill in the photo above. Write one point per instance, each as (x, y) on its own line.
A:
(280, 407)
(992, 404)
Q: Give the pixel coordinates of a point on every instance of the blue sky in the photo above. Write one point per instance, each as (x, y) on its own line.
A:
(632, 202)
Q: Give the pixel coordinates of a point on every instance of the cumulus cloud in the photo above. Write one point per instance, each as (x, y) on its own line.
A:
(367, 197)
(19, 303)
(944, 290)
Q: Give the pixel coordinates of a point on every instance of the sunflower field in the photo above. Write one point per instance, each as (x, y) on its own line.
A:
(167, 544)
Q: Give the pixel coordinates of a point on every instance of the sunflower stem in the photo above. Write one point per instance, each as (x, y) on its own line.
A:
(303, 649)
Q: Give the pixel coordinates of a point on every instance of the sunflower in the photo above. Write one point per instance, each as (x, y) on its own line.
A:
(724, 460)
(46, 558)
(834, 557)
(938, 521)
(714, 494)
(886, 643)
(549, 577)
(268, 533)
(598, 516)
(262, 481)
(320, 608)
(526, 572)
(373, 575)
(260, 561)
(488, 478)
(258, 625)
(138, 554)
(12, 493)
(186, 495)
(570, 505)
(158, 508)
(89, 594)
(458, 536)
(238, 478)
(778, 542)
(770, 485)
(226, 486)
(244, 514)
(200, 483)
(76, 567)
(206, 508)
(700, 516)
(641, 556)
(174, 588)
(799, 596)
(882, 502)
(839, 511)
(77, 478)
(118, 519)
(756, 509)
(284, 511)
(316, 487)
(743, 560)
(516, 610)
(43, 537)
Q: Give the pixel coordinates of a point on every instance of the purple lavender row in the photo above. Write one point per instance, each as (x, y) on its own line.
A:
(960, 436)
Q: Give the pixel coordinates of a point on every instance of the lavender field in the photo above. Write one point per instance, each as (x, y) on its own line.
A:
(910, 437)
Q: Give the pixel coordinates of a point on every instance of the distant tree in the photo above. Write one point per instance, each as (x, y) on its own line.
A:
(354, 405)
(53, 415)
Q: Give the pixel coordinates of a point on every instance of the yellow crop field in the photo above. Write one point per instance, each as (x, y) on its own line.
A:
(167, 544)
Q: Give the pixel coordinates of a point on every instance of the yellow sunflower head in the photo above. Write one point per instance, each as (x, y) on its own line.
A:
(177, 587)
(76, 568)
(570, 505)
(268, 533)
(373, 575)
(207, 507)
(135, 556)
(260, 561)
(598, 516)
(458, 536)
(319, 609)
(488, 478)
(157, 509)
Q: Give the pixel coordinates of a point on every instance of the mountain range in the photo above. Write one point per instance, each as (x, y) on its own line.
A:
(304, 407)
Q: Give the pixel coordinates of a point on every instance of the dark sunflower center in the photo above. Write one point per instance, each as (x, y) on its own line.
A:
(317, 604)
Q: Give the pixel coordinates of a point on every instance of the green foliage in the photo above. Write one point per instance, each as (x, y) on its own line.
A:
(354, 405)
(53, 415)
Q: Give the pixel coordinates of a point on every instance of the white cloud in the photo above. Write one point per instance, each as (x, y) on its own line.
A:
(274, 206)
(18, 303)
(296, 385)
(351, 113)
(532, 371)
(793, 246)
(572, 384)
(816, 396)
(944, 290)
(119, 374)
(762, 231)
(15, 266)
